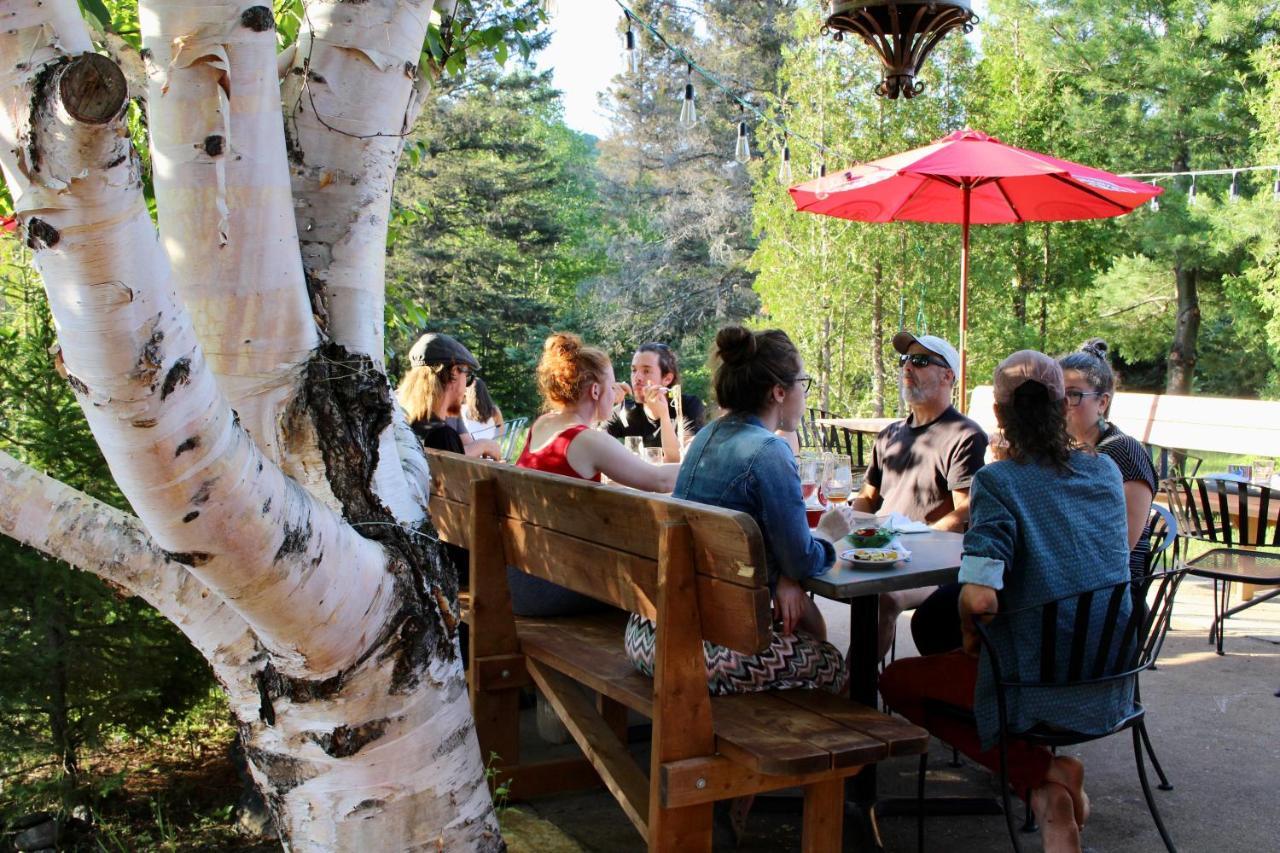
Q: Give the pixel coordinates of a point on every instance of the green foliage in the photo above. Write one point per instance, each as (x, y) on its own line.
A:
(495, 226)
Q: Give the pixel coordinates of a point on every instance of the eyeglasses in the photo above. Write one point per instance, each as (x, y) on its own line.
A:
(806, 379)
(466, 371)
(919, 359)
(1075, 398)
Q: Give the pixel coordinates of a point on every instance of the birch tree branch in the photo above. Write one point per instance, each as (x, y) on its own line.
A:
(350, 99)
(68, 525)
(224, 200)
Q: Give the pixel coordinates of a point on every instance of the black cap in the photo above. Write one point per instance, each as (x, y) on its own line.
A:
(439, 348)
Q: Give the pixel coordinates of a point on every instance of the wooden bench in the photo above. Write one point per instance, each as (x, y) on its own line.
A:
(698, 571)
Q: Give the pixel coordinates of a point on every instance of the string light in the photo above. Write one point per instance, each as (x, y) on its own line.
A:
(784, 168)
(1191, 196)
(744, 105)
(689, 109)
(1275, 190)
(1155, 200)
(742, 151)
(630, 53)
(1235, 187)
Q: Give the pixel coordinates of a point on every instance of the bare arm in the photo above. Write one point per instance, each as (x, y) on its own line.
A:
(868, 500)
(592, 453)
(955, 520)
(1137, 507)
(975, 599)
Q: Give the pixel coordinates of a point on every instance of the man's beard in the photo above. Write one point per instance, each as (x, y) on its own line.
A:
(916, 394)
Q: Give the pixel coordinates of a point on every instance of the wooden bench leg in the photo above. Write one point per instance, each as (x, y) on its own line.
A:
(686, 829)
(823, 816)
(614, 715)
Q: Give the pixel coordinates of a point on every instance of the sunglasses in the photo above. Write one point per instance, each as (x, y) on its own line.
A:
(919, 359)
(1075, 398)
(466, 371)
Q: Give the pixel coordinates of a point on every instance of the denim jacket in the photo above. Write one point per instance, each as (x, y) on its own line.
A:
(735, 463)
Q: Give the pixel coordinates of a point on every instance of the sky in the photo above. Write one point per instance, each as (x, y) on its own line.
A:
(586, 52)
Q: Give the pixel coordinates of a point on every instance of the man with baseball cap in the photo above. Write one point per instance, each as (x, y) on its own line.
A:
(922, 467)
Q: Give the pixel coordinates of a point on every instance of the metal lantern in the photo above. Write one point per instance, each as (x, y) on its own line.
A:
(903, 34)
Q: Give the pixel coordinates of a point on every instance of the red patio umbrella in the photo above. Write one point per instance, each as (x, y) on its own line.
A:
(971, 178)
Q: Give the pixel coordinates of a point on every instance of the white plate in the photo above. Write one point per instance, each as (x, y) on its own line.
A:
(878, 557)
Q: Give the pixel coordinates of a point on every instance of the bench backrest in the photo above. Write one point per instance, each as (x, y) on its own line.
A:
(1221, 424)
(604, 542)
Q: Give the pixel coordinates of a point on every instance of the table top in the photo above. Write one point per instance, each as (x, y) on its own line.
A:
(867, 425)
(935, 559)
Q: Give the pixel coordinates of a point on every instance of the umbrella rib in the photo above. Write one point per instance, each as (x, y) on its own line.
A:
(916, 191)
(1082, 188)
(1008, 200)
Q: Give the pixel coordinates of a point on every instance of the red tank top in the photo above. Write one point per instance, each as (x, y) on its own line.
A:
(554, 458)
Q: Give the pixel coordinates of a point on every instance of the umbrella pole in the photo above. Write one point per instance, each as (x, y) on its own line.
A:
(964, 299)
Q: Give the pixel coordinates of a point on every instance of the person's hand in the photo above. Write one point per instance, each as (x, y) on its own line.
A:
(789, 602)
(485, 448)
(655, 403)
(620, 390)
(835, 523)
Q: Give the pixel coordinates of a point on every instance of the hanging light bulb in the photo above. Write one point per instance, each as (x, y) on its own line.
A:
(1275, 189)
(1191, 196)
(1155, 200)
(784, 168)
(630, 52)
(1235, 186)
(689, 109)
(822, 193)
(742, 153)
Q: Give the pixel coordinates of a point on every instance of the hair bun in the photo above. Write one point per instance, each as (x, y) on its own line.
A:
(735, 344)
(1096, 347)
(565, 344)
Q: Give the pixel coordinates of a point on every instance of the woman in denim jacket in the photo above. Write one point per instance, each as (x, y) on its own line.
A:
(738, 463)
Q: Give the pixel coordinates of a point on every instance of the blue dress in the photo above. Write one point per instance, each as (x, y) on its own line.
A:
(1037, 533)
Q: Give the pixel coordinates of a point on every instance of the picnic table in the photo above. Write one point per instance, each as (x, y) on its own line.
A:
(935, 559)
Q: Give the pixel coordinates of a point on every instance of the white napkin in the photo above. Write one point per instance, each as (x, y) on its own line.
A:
(899, 523)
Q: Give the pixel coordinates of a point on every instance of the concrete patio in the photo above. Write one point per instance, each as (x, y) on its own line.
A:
(1214, 722)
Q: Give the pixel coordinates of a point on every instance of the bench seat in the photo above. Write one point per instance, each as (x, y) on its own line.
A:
(785, 732)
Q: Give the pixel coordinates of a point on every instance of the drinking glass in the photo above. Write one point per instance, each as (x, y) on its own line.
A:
(839, 481)
(1263, 470)
(810, 468)
(635, 444)
(654, 455)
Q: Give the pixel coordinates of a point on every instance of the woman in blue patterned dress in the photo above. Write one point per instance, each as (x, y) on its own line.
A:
(1046, 522)
(1090, 385)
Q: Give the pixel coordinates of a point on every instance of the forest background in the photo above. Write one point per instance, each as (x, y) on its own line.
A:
(509, 224)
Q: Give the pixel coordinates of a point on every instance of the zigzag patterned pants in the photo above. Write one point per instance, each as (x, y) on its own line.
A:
(798, 661)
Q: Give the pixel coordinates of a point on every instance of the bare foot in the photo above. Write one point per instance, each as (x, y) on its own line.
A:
(1069, 773)
(1053, 805)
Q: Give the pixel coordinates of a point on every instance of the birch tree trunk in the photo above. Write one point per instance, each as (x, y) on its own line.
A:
(231, 372)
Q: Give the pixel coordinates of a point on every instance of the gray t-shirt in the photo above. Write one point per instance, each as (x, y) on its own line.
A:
(915, 468)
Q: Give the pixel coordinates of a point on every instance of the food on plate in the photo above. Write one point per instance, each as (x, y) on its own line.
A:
(872, 555)
(870, 537)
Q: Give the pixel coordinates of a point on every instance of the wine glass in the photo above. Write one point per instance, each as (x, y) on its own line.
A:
(810, 469)
(839, 482)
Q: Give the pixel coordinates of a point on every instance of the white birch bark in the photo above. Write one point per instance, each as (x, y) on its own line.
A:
(345, 149)
(224, 201)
